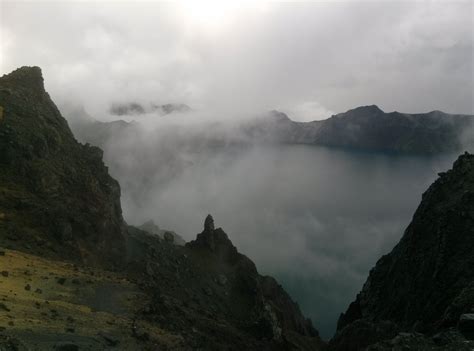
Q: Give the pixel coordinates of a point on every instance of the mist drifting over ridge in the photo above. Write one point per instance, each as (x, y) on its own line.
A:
(332, 212)
(248, 57)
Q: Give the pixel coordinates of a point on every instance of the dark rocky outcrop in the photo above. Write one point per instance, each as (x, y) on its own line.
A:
(216, 241)
(426, 283)
(365, 128)
(56, 194)
(272, 313)
(220, 297)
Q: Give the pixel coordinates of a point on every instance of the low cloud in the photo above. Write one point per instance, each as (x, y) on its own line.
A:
(307, 111)
(247, 58)
(317, 219)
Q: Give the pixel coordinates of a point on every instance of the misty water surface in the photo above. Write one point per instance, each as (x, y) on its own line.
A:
(315, 218)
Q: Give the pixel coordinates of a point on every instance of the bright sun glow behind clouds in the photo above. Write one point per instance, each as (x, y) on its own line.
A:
(214, 14)
(303, 57)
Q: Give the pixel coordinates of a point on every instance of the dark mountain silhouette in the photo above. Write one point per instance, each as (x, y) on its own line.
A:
(426, 284)
(365, 128)
(369, 128)
(57, 191)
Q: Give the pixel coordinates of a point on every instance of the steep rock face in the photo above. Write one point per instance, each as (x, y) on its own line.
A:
(268, 311)
(426, 283)
(52, 187)
(213, 296)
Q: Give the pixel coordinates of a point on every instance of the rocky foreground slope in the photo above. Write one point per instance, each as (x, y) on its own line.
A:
(75, 276)
(424, 288)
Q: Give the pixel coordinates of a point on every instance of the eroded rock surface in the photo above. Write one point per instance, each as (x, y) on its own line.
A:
(425, 284)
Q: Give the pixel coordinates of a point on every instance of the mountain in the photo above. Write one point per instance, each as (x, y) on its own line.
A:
(136, 109)
(426, 284)
(365, 128)
(369, 128)
(57, 195)
(74, 275)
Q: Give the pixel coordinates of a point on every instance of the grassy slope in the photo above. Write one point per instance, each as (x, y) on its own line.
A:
(93, 309)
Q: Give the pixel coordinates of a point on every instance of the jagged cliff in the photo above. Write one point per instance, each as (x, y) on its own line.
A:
(75, 276)
(426, 284)
(57, 197)
(276, 312)
(216, 294)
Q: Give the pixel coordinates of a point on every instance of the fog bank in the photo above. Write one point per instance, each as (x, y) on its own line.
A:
(315, 218)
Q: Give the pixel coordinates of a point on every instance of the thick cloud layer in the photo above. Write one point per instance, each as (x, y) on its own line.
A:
(308, 59)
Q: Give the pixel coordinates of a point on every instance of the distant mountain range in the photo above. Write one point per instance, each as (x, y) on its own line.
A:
(370, 128)
(420, 296)
(136, 109)
(366, 128)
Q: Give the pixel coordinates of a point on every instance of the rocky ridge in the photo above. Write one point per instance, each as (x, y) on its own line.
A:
(371, 129)
(56, 194)
(426, 284)
(365, 128)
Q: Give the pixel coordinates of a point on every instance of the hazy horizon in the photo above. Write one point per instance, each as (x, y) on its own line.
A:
(233, 58)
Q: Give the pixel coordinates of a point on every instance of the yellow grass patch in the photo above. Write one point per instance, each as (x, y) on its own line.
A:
(34, 303)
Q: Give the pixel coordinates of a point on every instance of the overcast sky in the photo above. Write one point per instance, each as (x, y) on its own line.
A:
(310, 59)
